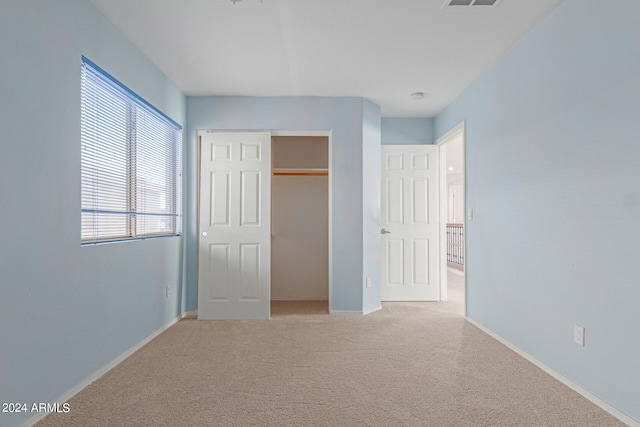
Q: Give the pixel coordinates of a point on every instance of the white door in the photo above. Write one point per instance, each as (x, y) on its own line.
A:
(410, 212)
(234, 226)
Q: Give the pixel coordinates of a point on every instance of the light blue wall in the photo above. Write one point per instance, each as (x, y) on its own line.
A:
(344, 118)
(407, 131)
(552, 175)
(65, 310)
(371, 185)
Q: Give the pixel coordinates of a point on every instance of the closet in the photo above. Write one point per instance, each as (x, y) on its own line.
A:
(300, 218)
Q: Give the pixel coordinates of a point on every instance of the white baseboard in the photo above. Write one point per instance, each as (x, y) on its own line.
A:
(345, 312)
(456, 272)
(194, 314)
(354, 312)
(371, 310)
(566, 381)
(100, 372)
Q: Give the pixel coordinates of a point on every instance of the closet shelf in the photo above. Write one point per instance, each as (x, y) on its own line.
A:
(300, 172)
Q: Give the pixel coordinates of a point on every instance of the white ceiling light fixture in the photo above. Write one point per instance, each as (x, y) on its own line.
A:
(417, 96)
(465, 3)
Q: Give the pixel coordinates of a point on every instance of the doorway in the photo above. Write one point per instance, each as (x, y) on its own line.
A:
(300, 224)
(235, 239)
(452, 225)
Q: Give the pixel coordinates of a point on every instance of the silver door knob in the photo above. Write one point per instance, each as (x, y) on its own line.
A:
(204, 234)
(383, 231)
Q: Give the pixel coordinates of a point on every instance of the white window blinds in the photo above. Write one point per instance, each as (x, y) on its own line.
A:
(131, 163)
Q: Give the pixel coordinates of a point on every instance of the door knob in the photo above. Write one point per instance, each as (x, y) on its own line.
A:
(383, 231)
(204, 234)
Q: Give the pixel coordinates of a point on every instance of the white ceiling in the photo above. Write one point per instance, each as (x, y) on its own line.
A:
(382, 50)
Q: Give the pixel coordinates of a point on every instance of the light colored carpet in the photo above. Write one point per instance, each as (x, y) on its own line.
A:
(410, 364)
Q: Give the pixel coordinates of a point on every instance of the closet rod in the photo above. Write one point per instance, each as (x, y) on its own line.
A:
(301, 172)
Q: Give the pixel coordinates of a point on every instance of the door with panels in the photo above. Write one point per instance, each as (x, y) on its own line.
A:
(234, 225)
(410, 228)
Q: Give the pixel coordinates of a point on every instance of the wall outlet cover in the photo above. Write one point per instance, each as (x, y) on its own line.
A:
(578, 335)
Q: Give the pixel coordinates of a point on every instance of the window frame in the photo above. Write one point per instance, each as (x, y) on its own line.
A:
(162, 137)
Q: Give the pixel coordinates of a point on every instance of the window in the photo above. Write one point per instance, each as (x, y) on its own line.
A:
(131, 163)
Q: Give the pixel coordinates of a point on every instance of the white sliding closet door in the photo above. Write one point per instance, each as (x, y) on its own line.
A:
(234, 226)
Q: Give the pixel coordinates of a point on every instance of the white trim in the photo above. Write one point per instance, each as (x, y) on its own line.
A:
(566, 381)
(371, 310)
(458, 131)
(453, 133)
(442, 225)
(328, 135)
(330, 213)
(190, 314)
(64, 397)
(355, 312)
(346, 312)
(300, 133)
(456, 272)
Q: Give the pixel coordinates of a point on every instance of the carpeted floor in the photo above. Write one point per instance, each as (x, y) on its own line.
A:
(409, 364)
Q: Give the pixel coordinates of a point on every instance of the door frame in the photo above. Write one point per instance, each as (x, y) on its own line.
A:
(323, 133)
(457, 132)
(327, 134)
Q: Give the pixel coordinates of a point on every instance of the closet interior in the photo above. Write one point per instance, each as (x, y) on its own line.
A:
(300, 218)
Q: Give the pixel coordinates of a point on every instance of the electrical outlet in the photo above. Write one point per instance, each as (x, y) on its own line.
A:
(368, 282)
(578, 335)
(470, 214)
(167, 291)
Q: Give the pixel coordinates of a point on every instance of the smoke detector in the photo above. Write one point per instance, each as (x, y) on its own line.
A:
(472, 3)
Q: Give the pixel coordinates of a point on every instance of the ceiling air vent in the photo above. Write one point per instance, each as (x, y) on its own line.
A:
(471, 3)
